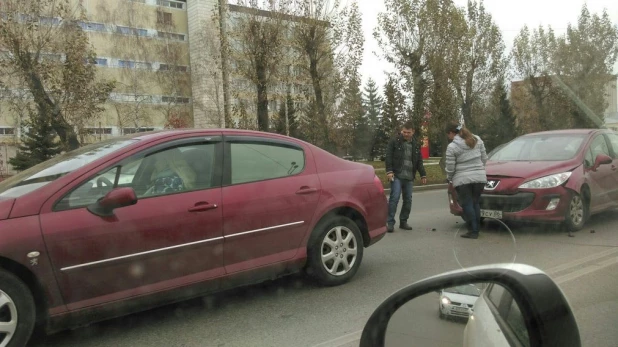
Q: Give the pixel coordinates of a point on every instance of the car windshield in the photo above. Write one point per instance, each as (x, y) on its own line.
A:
(464, 290)
(555, 147)
(48, 171)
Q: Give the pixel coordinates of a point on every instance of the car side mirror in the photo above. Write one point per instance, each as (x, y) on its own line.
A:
(500, 305)
(117, 198)
(602, 159)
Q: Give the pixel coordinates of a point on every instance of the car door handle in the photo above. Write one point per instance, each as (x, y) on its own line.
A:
(202, 206)
(306, 190)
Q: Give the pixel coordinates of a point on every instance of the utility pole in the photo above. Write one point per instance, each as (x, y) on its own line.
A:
(224, 61)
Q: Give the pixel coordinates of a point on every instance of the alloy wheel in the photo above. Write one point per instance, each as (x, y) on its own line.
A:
(8, 319)
(577, 210)
(339, 251)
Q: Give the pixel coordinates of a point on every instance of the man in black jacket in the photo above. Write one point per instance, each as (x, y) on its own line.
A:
(403, 160)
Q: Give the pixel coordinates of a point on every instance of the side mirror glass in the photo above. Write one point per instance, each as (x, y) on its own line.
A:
(117, 198)
(464, 315)
(493, 305)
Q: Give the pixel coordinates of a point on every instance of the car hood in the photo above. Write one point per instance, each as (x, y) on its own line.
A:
(528, 169)
(6, 205)
(461, 298)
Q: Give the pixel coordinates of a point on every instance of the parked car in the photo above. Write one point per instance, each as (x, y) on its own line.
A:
(562, 176)
(458, 301)
(153, 218)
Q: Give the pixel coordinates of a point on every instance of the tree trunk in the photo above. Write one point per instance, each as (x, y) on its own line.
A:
(47, 108)
(262, 100)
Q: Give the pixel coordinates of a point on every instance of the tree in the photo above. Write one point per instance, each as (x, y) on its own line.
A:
(53, 60)
(329, 45)
(372, 101)
(257, 43)
(353, 135)
(566, 75)
(393, 113)
(402, 38)
(583, 62)
(38, 144)
(480, 58)
(286, 123)
(501, 124)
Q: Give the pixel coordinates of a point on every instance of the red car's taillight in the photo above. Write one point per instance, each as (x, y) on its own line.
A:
(378, 183)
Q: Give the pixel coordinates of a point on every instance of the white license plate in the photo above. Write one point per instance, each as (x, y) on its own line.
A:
(461, 309)
(491, 214)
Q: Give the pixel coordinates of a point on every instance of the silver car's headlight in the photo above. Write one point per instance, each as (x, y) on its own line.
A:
(550, 181)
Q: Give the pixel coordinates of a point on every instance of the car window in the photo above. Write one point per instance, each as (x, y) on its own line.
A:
(588, 159)
(50, 170)
(169, 171)
(599, 146)
(613, 140)
(495, 294)
(516, 322)
(552, 147)
(256, 162)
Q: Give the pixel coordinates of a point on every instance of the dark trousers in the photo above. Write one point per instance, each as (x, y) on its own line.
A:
(398, 188)
(469, 196)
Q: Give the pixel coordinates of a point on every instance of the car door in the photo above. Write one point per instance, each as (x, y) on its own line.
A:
(613, 140)
(601, 179)
(271, 190)
(172, 237)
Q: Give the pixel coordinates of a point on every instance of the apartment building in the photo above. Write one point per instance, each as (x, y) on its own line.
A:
(164, 57)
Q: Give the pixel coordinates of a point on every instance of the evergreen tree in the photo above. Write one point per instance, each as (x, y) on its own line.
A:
(37, 145)
(503, 126)
(393, 111)
(372, 101)
(280, 126)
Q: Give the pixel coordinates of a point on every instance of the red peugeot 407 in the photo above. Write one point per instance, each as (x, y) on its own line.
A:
(134, 222)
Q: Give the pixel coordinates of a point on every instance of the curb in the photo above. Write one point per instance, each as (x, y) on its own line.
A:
(425, 188)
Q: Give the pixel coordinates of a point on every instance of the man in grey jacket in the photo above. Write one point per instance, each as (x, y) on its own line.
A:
(465, 168)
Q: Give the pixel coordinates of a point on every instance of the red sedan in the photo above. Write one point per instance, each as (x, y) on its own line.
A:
(560, 176)
(134, 222)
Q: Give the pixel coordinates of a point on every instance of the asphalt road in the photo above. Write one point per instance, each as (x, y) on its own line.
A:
(294, 312)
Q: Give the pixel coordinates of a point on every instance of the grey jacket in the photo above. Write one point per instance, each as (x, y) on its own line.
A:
(465, 165)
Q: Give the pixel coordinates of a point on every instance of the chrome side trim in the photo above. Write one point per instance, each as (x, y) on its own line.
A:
(264, 229)
(138, 254)
(178, 246)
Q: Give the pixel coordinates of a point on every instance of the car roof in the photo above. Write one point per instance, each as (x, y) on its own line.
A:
(566, 132)
(158, 134)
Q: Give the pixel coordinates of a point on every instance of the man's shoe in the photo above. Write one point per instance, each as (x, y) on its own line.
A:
(405, 226)
(470, 235)
(390, 228)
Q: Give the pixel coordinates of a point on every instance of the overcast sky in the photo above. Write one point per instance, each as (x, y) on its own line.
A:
(510, 15)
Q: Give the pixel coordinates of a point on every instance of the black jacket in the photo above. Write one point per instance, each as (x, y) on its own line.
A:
(394, 157)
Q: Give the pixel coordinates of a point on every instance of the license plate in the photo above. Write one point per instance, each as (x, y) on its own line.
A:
(491, 214)
(461, 309)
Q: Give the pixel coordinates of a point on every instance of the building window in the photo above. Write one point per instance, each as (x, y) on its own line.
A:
(7, 131)
(99, 131)
(164, 18)
(92, 26)
(49, 21)
(136, 130)
(178, 100)
(167, 67)
(171, 4)
(171, 36)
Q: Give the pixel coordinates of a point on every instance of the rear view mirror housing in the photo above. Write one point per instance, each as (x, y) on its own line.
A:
(602, 159)
(549, 318)
(117, 198)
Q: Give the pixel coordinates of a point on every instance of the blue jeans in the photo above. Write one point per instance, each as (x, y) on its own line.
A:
(397, 188)
(469, 196)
